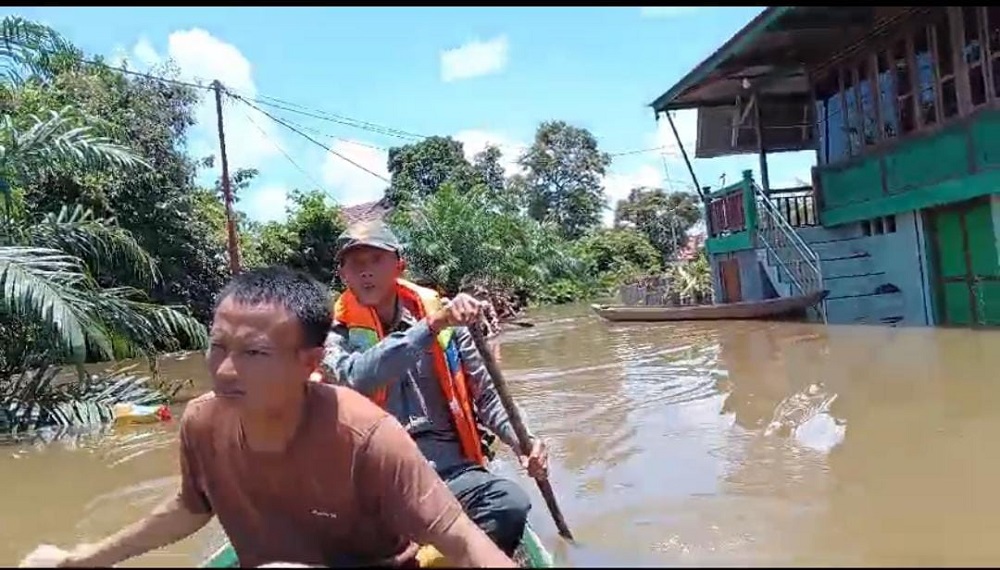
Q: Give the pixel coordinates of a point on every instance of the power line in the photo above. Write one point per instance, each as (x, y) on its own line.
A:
(127, 71)
(347, 121)
(380, 129)
(309, 138)
(390, 131)
(638, 151)
(298, 128)
(291, 107)
(281, 150)
(335, 137)
(96, 63)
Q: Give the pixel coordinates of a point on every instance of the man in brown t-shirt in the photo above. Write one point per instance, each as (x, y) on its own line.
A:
(297, 472)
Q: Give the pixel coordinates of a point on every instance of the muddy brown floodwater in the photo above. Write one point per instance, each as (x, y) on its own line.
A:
(691, 444)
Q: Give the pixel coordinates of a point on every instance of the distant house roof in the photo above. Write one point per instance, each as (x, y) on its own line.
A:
(366, 212)
(694, 243)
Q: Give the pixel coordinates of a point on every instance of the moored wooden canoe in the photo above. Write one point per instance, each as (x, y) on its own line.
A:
(534, 554)
(726, 311)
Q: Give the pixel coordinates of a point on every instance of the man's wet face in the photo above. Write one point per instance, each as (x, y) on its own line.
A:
(256, 357)
(370, 273)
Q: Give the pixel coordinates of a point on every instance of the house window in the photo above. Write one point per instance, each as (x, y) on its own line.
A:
(869, 123)
(972, 53)
(945, 68)
(993, 37)
(904, 88)
(821, 122)
(926, 84)
(878, 226)
(853, 125)
(835, 136)
(887, 96)
(933, 71)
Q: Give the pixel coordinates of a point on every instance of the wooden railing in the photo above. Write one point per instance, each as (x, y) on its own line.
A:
(796, 205)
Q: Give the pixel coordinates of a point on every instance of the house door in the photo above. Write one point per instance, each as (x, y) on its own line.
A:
(965, 267)
(729, 276)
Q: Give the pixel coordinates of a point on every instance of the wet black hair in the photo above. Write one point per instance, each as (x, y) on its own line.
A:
(297, 292)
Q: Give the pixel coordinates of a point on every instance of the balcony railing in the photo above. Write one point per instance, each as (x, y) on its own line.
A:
(796, 205)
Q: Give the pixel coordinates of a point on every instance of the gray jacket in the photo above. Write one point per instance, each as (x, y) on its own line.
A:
(403, 363)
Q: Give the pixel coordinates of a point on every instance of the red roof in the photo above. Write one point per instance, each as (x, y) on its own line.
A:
(366, 212)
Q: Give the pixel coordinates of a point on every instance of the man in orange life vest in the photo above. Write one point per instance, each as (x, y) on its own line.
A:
(398, 344)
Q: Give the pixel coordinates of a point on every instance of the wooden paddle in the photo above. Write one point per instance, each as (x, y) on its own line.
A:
(523, 439)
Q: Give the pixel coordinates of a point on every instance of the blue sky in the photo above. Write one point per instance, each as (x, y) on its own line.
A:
(478, 74)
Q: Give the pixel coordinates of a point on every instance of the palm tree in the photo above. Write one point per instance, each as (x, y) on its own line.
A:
(453, 236)
(692, 280)
(51, 305)
(44, 263)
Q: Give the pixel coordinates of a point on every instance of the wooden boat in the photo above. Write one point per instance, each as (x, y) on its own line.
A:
(532, 554)
(744, 310)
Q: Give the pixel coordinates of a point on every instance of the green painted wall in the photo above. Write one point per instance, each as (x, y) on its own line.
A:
(730, 243)
(956, 163)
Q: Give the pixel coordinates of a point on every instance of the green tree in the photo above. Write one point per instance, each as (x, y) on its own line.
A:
(46, 282)
(52, 304)
(418, 170)
(161, 206)
(509, 193)
(454, 236)
(615, 255)
(27, 50)
(664, 218)
(564, 181)
(308, 239)
(692, 280)
(488, 170)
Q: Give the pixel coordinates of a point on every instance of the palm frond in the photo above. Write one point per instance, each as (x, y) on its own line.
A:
(98, 241)
(508, 248)
(27, 46)
(45, 284)
(38, 398)
(143, 328)
(57, 140)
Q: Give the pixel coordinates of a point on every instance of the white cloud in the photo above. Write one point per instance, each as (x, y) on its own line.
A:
(474, 59)
(352, 185)
(251, 138)
(265, 204)
(145, 53)
(202, 57)
(475, 141)
(667, 11)
(142, 55)
(618, 185)
(687, 128)
(662, 168)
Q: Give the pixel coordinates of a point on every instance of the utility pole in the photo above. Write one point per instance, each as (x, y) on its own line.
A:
(227, 191)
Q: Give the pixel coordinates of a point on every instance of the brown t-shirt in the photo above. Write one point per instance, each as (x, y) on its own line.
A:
(352, 488)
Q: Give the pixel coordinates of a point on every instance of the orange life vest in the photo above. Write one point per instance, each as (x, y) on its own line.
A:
(365, 330)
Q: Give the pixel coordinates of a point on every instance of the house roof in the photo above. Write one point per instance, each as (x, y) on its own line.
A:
(773, 53)
(367, 211)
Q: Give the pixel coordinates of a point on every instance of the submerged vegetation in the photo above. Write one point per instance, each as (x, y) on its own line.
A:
(110, 248)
